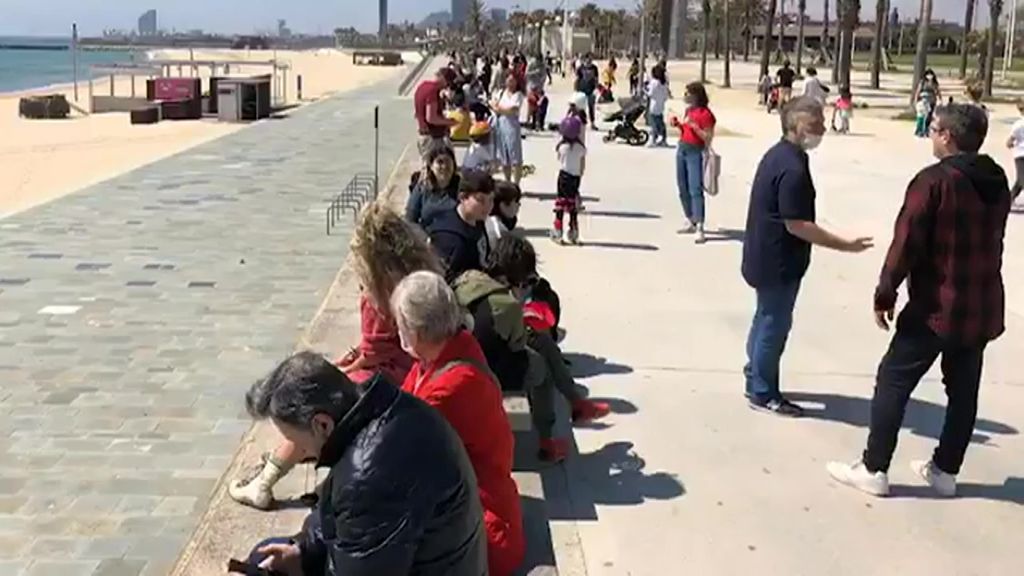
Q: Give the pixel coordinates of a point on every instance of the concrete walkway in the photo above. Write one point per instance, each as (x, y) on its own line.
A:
(133, 316)
(684, 478)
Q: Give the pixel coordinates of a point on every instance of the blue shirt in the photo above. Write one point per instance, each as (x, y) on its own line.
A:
(782, 190)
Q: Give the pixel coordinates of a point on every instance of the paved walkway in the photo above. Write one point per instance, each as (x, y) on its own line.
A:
(684, 478)
(133, 316)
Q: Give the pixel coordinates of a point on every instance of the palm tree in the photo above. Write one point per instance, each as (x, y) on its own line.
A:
(881, 9)
(706, 6)
(769, 24)
(727, 80)
(801, 6)
(474, 20)
(968, 23)
(824, 34)
(921, 57)
(753, 13)
(995, 11)
(849, 17)
(780, 46)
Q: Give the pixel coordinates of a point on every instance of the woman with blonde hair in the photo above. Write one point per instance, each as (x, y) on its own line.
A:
(383, 251)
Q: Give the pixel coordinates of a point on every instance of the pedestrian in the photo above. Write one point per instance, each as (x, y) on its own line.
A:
(785, 77)
(572, 157)
(480, 155)
(458, 234)
(814, 87)
(1016, 143)
(780, 231)
(928, 89)
(451, 374)
(436, 190)
(948, 247)
(505, 214)
(697, 130)
(507, 106)
(658, 94)
(498, 82)
(586, 82)
(634, 77)
(429, 107)
(843, 111)
(486, 75)
(921, 123)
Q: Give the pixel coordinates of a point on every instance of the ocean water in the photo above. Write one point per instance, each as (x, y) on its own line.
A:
(25, 69)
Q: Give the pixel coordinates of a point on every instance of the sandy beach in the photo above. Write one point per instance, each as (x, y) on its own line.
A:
(44, 160)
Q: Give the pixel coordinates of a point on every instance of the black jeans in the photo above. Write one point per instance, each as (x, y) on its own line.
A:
(911, 354)
(1019, 184)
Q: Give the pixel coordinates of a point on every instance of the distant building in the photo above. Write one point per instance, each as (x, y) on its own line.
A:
(382, 11)
(147, 23)
(283, 31)
(460, 12)
(436, 20)
(499, 16)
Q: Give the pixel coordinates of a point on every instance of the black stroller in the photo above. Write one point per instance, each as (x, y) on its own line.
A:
(625, 128)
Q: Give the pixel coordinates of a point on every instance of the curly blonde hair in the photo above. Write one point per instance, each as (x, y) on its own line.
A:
(385, 249)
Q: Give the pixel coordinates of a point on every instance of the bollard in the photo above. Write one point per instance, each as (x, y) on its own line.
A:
(298, 85)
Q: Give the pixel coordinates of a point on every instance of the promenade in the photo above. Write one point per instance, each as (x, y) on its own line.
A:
(134, 315)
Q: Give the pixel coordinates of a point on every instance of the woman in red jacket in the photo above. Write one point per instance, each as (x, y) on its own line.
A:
(451, 374)
(384, 249)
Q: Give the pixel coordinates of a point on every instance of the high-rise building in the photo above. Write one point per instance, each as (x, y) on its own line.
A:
(499, 16)
(147, 23)
(460, 12)
(382, 10)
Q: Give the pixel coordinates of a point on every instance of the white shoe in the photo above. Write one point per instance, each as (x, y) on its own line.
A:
(258, 492)
(857, 476)
(700, 239)
(943, 483)
(689, 229)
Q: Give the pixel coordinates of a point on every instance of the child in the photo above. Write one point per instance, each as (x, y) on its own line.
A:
(765, 89)
(505, 214)
(481, 154)
(921, 126)
(572, 155)
(844, 109)
(461, 117)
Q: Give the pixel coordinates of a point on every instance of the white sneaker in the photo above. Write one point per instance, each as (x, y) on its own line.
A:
(700, 239)
(857, 476)
(943, 483)
(689, 229)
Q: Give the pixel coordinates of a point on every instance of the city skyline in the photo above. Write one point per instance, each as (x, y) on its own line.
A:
(307, 16)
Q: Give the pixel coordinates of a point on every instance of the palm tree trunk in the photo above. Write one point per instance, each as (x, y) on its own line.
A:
(968, 23)
(704, 42)
(718, 36)
(747, 32)
(876, 45)
(921, 57)
(769, 24)
(845, 51)
(727, 81)
(800, 36)
(781, 46)
(995, 11)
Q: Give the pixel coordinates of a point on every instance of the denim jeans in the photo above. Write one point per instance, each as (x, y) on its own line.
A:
(767, 340)
(690, 180)
(911, 354)
(658, 130)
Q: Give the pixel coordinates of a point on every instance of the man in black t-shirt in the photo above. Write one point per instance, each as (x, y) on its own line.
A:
(587, 77)
(785, 77)
(777, 248)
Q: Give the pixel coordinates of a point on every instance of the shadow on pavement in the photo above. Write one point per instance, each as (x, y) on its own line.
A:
(620, 245)
(551, 197)
(922, 418)
(1011, 490)
(725, 235)
(622, 214)
(540, 553)
(583, 365)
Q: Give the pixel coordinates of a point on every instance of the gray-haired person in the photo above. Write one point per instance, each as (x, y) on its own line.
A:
(780, 231)
(401, 495)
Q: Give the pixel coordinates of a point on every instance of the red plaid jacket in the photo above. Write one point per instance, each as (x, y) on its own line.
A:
(948, 244)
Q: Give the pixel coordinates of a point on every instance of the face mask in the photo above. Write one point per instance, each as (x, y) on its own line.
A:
(811, 141)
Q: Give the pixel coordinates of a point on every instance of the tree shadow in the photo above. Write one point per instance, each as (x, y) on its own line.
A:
(725, 235)
(622, 214)
(1011, 491)
(551, 197)
(922, 418)
(620, 246)
(583, 365)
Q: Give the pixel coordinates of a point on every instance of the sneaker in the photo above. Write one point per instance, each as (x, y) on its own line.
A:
(700, 238)
(689, 229)
(556, 235)
(574, 237)
(553, 450)
(584, 411)
(778, 407)
(942, 482)
(857, 476)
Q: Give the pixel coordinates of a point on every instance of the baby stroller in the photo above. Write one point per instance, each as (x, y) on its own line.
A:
(626, 129)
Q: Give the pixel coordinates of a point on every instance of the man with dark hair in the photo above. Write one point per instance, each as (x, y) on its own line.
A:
(780, 231)
(458, 234)
(587, 77)
(401, 496)
(429, 108)
(948, 246)
(785, 77)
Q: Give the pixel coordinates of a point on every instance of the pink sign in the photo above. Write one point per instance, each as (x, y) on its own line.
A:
(175, 88)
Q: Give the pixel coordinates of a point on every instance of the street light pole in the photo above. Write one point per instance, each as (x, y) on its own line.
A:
(643, 46)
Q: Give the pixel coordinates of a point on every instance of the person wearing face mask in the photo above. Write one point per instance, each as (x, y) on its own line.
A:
(948, 247)
(780, 231)
(457, 234)
(401, 496)
(436, 189)
(929, 92)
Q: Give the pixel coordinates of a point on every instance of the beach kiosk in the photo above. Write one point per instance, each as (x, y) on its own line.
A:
(243, 99)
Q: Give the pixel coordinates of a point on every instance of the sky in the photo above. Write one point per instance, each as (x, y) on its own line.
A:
(54, 17)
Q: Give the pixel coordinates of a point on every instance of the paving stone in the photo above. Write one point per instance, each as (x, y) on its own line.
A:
(107, 547)
(62, 568)
(120, 567)
(176, 506)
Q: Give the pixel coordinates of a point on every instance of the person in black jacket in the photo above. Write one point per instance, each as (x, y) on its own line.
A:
(401, 497)
(458, 234)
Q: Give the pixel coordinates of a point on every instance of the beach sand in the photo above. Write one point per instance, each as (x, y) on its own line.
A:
(41, 160)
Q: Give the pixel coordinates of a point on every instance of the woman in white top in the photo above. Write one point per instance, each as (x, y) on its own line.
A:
(1016, 143)
(508, 133)
(658, 94)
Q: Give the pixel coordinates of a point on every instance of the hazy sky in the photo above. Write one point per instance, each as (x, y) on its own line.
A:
(54, 17)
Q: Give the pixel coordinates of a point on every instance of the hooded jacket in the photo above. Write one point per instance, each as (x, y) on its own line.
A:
(497, 325)
(462, 246)
(948, 245)
(461, 387)
(401, 496)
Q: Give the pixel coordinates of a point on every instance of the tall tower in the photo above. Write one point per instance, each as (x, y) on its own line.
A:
(383, 12)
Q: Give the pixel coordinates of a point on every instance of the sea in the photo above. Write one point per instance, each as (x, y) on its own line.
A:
(26, 69)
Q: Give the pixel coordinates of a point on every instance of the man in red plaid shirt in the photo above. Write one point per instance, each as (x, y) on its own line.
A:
(948, 246)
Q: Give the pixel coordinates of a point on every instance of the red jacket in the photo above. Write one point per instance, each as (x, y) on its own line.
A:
(380, 349)
(459, 385)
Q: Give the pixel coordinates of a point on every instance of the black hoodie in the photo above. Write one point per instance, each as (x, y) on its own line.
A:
(987, 178)
(461, 246)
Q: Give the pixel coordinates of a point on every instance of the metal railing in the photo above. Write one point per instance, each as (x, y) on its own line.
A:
(361, 189)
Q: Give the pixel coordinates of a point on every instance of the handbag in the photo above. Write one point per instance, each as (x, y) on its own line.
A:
(712, 170)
